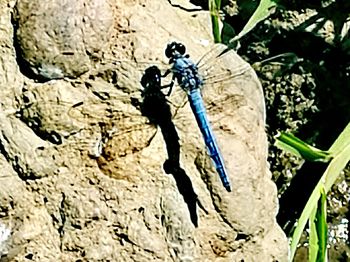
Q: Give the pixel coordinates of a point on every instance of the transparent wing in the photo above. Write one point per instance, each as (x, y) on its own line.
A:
(210, 56)
(109, 65)
(110, 132)
(89, 123)
(122, 132)
(218, 67)
(123, 73)
(126, 76)
(121, 119)
(210, 66)
(220, 64)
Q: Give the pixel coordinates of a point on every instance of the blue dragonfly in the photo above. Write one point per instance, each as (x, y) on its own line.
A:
(192, 77)
(188, 76)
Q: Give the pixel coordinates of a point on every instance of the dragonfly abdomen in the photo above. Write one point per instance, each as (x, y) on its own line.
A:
(198, 110)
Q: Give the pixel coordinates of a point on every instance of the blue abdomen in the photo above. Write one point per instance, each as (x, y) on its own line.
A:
(198, 110)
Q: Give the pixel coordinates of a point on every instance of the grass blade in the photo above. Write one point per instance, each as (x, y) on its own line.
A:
(214, 8)
(264, 9)
(313, 239)
(321, 227)
(341, 155)
(318, 230)
(342, 141)
(296, 146)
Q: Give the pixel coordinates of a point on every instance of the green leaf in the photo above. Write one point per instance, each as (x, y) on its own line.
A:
(321, 226)
(318, 230)
(313, 239)
(342, 140)
(296, 146)
(341, 155)
(265, 8)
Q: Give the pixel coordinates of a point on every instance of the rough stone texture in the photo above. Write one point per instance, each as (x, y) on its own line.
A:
(65, 201)
(58, 38)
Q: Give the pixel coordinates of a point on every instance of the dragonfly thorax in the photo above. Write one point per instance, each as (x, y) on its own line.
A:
(186, 73)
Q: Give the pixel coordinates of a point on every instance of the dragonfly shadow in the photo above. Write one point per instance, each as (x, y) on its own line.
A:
(184, 185)
(156, 108)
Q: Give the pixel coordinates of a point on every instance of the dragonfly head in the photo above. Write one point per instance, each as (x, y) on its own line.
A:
(173, 49)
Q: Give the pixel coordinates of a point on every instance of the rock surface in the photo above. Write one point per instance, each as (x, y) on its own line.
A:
(57, 39)
(66, 199)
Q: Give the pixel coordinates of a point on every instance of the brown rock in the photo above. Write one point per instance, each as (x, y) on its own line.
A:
(57, 39)
(112, 201)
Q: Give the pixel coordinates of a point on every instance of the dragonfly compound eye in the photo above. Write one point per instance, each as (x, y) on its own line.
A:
(180, 48)
(170, 49)
(173, 48)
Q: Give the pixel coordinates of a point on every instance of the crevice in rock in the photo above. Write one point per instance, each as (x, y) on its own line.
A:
(241, 236)
(23, 65)
(34, 124)
(62, 222)
(186, 9)
(14, 163)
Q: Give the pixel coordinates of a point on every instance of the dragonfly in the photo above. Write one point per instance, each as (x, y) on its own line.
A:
(186, 74)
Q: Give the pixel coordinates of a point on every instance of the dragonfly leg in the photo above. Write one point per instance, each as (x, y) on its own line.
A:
(170, 86)
(167, 72)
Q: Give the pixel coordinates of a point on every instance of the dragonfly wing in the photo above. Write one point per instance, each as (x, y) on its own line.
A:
(124, 130)
(221, 64)
(121, 119)
(49, 120)
(210, 56)
(88, 123)
(229, 83)
(126, 74)
(177, 100)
